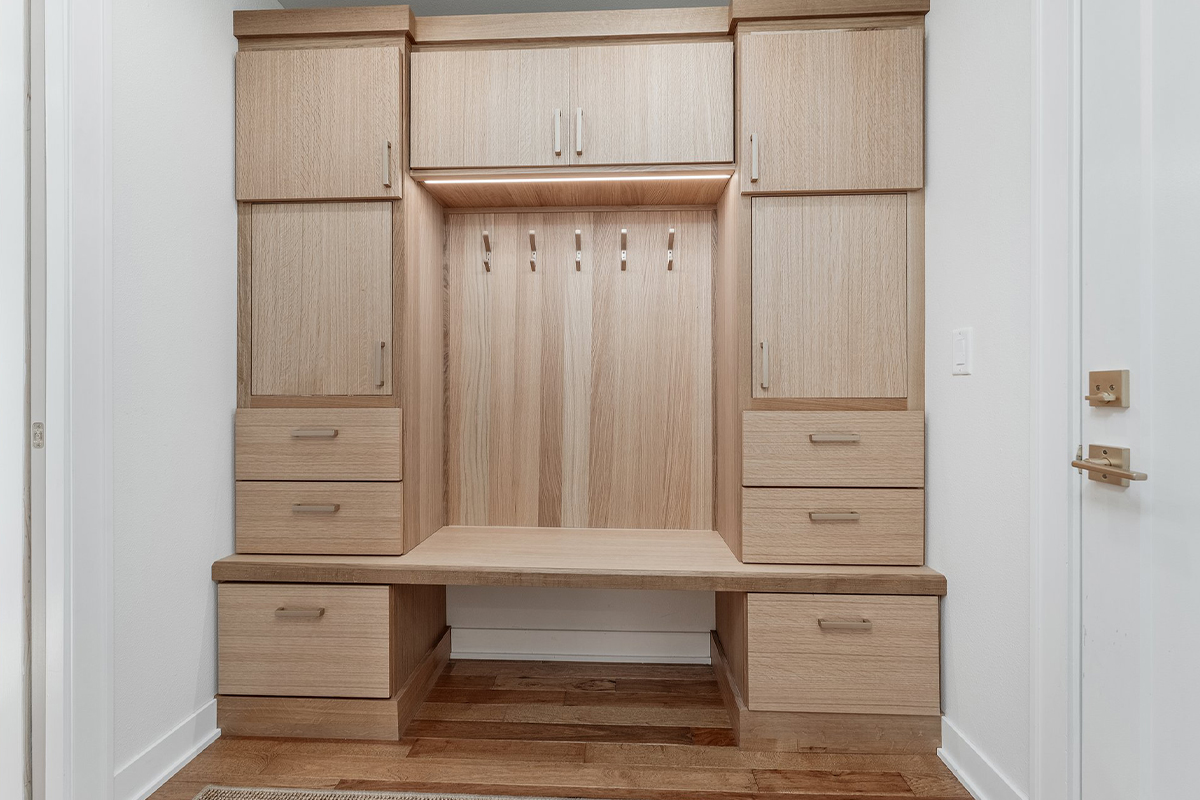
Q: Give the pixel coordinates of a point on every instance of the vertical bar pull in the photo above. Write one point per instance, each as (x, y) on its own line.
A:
(754, 158)
(670, 248)
(532, 252)
(379, 381)
(766, 366)
(487, 252)
(624, 248)
(387, 164)
(558, 131)
(579, 131)
(578, 250)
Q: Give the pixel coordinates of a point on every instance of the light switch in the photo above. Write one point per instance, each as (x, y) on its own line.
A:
(962, 351)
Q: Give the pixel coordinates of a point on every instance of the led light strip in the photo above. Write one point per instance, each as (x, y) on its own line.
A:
(583, 179)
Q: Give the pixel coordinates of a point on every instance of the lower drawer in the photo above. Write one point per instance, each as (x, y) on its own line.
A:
(320, 518)
(304, 640)
(849, 654)
(833, 526)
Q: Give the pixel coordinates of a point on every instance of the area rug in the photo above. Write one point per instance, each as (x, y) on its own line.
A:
(229, 793)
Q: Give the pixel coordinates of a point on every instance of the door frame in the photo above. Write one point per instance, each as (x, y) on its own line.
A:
(1055, 670)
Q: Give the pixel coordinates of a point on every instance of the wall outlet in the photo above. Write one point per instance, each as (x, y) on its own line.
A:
(962, 351)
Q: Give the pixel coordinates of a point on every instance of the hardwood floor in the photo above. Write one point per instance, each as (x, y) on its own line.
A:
(615, 731)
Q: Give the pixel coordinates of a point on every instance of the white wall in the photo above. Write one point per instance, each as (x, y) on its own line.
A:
(978, 275)
(174, 351)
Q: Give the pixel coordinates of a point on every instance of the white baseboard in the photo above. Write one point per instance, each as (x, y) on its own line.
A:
(974, 770)
(660, 647)
(142, 776)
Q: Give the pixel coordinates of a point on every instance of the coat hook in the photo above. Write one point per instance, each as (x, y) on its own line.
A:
(487, 252)
(624, 247)
(670, 248)
(578, 249)
(532, 251)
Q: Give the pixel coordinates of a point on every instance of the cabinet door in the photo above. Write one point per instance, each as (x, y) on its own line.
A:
(652, 103)
(830, 296)
(490, 108)
(321, 299)
(831, 110)
(319, 123)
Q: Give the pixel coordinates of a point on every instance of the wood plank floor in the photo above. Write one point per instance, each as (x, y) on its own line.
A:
(617, 731)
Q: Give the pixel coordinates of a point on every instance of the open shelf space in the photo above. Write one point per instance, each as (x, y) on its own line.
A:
(580, 558)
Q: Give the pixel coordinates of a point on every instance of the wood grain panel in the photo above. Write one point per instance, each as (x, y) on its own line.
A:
(623, 23)
(377, 20)
(366, 446)
(832, 110)
(796, 665)
(749, 10)
(539, 190)
(778, 449)
(293, 517)
(489, 108)
(321, 299)
(345, 652)
(307, 717)
(580, 396)
(830, 296)
(316, 123)
(664, 103)
(778, 527)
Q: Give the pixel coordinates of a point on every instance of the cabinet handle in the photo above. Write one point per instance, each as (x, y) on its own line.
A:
(766, 366)
(314, 433)
(558, 131)
(298, 613)
(833, 516)
(387, 164)
(754, 158)
(844, 624)
(379, 381)
(305, 508)
(835, 437)
(579, 131)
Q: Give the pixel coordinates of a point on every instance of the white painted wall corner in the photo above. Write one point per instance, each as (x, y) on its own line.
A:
(150, 769)
(974, 770)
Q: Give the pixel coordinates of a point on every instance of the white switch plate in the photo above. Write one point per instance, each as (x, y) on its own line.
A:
(962, 351)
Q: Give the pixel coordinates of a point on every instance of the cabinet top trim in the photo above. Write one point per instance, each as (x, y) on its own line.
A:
(373, 20)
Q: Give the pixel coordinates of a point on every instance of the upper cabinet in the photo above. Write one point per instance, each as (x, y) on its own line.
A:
(831, 110)
(669, 103)
(319, 123)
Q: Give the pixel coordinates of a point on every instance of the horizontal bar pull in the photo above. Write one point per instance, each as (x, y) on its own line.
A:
(309, 508)
(299, 613)
(844, 624)
(835, 437)
(1106, 466)
(314, 433)
(833, 516)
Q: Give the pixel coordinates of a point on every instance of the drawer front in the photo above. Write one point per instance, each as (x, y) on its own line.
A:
(327, 444)
(833, 448)
(833, 526)
(320, 518)
(304, 640)
(811, 652)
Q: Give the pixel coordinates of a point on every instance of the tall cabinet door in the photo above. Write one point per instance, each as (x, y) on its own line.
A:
(831, 110)
(830, 296)
(317, 124)
(321, 299)
(490, 108)
(652, 103)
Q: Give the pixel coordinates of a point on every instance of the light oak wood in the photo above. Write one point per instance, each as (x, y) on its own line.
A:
(741, 11)
(320, 517)
(916, 301)
(579, 187)
(778, 449)
(567, 25)
(580, 558)
(295, 22)
(321, 310)
(424, 675)
(580, 397)
(778, 526)
(344, 652)
(365, 448)
(830, 298)
(418, 624)
(795, 664)
(832, 110)
(731, 628)
(316, 123)
(489, 108)
(664, 103)
(728, 352)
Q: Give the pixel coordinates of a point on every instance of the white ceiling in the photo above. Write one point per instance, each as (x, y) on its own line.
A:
(428, 8)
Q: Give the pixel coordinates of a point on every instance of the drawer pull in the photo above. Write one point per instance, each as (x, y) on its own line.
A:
(844, 624)
(833, 516)
(305, 508)
(314, 433)
(299, 613)
(835, 437)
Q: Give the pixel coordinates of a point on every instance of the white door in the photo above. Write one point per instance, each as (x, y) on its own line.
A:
(1140, 304)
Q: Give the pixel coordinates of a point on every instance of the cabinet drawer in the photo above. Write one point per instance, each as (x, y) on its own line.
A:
(850, 654)
(833, 526)
(318, 444)
(320, 518)
(833, 448)
(304, 640)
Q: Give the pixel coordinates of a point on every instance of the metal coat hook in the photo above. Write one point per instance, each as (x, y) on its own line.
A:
(532, 251)
(624, 248)
(670, 248)
(578, 250)
(487, 252)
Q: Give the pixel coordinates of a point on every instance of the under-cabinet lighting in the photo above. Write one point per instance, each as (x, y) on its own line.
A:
(585, 178)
